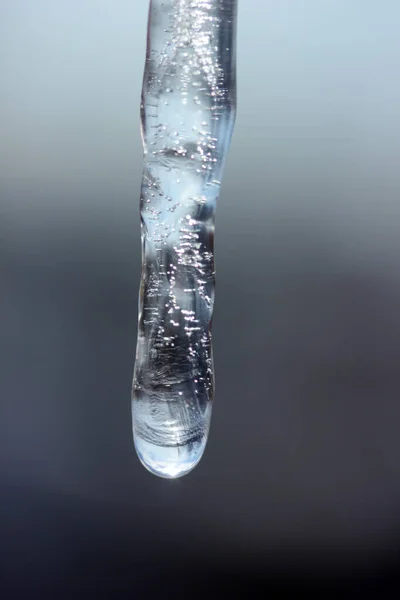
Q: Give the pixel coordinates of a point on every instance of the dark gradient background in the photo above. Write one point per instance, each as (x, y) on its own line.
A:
(300, 483)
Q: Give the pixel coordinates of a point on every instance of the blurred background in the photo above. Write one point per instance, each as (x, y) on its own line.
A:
(300, 483)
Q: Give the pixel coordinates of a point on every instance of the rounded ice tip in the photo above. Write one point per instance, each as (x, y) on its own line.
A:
(169, 462)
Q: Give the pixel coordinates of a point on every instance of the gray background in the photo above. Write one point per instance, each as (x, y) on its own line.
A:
(302, 470)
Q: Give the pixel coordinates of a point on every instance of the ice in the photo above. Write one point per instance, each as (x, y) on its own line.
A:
(187, 117)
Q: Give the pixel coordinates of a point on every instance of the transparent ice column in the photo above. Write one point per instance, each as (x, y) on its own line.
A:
(187, 116)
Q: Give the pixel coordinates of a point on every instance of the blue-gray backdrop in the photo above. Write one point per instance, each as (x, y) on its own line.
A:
(302, 466)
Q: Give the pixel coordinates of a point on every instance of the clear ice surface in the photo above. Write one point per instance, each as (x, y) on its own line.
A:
(187, 118)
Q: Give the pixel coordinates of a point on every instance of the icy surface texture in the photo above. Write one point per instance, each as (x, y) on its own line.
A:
(187, 116)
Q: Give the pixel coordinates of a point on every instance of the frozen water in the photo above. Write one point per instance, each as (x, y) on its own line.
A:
(187, 116)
